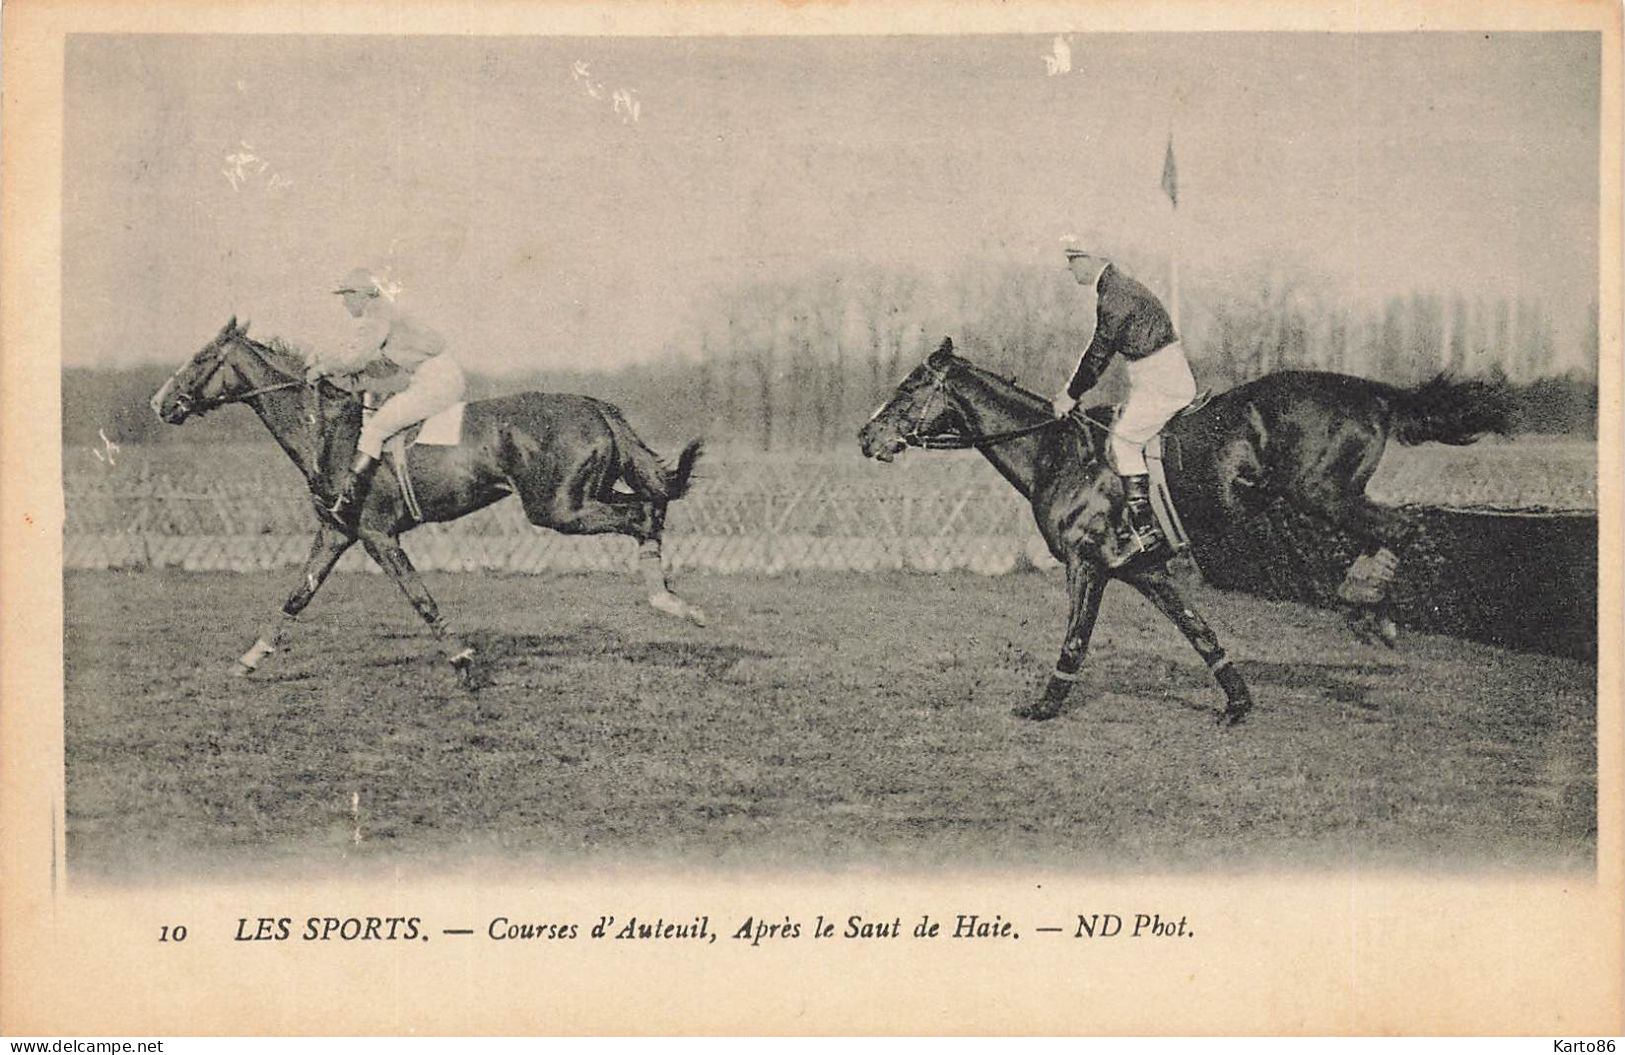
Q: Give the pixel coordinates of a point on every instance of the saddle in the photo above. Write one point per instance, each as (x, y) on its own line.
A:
(444, 429)
(1157, 454)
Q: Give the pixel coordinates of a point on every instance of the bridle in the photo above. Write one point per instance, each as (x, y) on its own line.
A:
(313, 392)
(189, 406)
(953, 441)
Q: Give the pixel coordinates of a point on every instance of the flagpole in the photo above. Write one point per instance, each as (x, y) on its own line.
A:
(1173, 266)
(1170, 187)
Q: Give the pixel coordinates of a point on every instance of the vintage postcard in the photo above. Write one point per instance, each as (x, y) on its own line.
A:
(912, 518)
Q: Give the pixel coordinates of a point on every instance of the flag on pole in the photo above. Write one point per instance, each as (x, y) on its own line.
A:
(1170, 174)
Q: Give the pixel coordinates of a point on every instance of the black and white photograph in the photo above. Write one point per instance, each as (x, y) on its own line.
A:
(1061, 448)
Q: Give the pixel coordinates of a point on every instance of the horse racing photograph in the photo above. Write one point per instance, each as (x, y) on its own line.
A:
(1111, 452)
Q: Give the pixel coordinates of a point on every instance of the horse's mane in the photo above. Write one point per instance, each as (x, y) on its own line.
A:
(290, 359)
(1007, 383)
(281, 349)
(284, 355)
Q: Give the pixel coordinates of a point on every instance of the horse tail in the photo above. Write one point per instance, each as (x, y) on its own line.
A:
(682, 473)
(1445, 410)
(643, 469)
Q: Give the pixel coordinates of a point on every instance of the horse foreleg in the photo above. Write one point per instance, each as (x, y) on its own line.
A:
(325, 551)
(387, 552)
(1160, 590)
(1085, 583)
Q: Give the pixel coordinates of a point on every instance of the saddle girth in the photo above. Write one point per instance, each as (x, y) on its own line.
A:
(1162, 499)
(395, 454)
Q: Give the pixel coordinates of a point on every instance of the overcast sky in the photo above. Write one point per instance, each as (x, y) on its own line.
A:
(538, 223)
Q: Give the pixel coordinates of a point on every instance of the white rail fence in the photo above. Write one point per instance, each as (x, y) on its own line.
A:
(245, 508)
(761, 517)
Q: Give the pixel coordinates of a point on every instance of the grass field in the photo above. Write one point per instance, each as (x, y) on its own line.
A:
(821, 721)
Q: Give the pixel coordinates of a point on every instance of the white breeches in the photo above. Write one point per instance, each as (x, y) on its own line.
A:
(1160, 385)
(436, 385)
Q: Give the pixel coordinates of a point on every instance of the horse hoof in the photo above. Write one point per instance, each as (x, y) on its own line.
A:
(1234, 713)
(1036, 712)
(463, 664)
(696, 615)
(240, 669)
(1365, 629)
(1388, 632)
(671, 604)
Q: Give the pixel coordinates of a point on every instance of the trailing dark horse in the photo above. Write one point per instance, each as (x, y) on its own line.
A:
(1313, 439)
(561, 454)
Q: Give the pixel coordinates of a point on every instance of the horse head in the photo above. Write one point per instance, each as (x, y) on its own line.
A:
(921, 407)
(210, 378)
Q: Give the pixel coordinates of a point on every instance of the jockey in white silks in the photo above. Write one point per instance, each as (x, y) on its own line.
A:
(394, 355)
(1131, 322)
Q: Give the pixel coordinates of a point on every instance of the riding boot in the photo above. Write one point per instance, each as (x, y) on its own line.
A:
(1142, 519)
(352, 496)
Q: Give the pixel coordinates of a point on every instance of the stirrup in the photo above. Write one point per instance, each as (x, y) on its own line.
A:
(1143, 543)
(345, 512)
(1154, 542)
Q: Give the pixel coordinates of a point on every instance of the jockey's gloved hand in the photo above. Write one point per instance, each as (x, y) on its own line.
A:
(1062, 403)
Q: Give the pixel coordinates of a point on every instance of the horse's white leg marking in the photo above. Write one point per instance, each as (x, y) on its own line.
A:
(661, 597)
(250, 660)
(158, 398)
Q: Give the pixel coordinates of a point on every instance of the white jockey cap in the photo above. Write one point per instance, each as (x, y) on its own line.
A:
(1072, 246)
(360, 280)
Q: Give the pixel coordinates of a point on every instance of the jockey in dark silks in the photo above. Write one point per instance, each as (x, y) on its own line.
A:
(393, 355)
(1131, 322)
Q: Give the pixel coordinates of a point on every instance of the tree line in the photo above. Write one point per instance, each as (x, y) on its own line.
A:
(790, 365)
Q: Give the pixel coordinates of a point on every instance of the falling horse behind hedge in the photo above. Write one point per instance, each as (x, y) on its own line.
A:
(1311, 439)
(561, 454)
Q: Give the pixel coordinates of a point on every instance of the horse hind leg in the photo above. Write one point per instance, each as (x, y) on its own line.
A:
(598, 510)
(1366, 582)
(582, 503)
(652, 563)
(649, 485)
(1365, 589)
(652, 567)
(387, 552)
(1160, 590)
(1334, 491)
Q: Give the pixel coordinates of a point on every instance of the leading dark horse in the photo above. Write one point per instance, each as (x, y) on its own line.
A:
(561, 454)
(1313, 439)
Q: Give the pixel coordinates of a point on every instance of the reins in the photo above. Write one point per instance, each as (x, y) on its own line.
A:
(294, 380)
(203, 405)
(251, 393)
(313, 404)
(313, 393)
(949, 441)
(952, 441)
